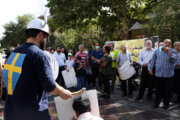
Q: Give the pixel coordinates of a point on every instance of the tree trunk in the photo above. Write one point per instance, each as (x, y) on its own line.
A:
(125, 29)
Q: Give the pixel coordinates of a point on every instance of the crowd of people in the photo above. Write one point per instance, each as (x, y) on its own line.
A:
(159, 70)
(95, 69)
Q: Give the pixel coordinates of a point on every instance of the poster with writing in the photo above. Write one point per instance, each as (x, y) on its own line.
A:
(134, 46)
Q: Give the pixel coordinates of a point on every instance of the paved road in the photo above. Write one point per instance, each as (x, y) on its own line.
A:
(124, 108)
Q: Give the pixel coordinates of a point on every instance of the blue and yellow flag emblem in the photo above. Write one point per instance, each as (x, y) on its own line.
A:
(12, 71)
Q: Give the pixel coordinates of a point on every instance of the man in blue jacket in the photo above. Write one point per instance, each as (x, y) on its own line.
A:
(28, 77)
(163, 60)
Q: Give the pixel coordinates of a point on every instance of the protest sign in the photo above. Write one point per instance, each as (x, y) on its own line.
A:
(126, 71)
(69, 78)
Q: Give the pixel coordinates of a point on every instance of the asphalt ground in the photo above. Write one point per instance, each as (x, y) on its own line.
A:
(123, 108)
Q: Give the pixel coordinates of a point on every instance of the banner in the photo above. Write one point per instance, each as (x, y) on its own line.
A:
(134, 46)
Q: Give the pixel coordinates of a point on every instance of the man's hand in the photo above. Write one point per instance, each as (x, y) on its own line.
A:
(177, 65)
(151, 72)
(131, 64)
(74, 118)
(168, 50)
(65, 94)
(81, 65)
(165, 48)
(98, 61)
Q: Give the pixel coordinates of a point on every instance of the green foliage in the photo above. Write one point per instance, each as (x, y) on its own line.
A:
(67, 39)
(167, 22)
(14, 31)
(112, 17)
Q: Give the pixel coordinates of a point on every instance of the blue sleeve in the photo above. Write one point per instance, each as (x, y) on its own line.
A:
(102, 53)
(141, 58)
(44, 73)
(174, 57)
(92, 53)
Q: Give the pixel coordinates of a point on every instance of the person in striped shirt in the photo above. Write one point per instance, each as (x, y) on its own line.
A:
(84, 59)
(83, 55)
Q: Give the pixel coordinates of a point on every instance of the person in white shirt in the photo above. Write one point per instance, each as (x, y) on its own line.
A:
(82, 109)
(70, 62)
(61, 58)
(54, 64)
(146, 79)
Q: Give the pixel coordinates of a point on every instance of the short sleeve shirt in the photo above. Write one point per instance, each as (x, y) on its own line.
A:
(108, 68)
(69, 64)
(97, 54)
(84, 58)
(29, 100)
(114, 55)
(61, 58)
(123, 57)
(80, 72)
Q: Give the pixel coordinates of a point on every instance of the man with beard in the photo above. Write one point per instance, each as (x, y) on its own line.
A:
(28, 77)
(146, 79)
(61, 58)
(163, 60)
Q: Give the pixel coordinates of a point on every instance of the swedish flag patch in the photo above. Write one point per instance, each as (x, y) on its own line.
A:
(12, 71)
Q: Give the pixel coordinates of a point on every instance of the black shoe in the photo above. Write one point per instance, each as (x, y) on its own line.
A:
(93, 85)
(138, 98)
(165, 107)
(176, 101)
(155, 106)
(124, 95)
(149, 98)
(105, 96)
(112, 89)
(130, 96)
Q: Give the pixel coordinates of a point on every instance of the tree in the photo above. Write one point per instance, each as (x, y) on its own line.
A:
(14, 31)
(67, 39)
(112, 17)
(167, 22)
